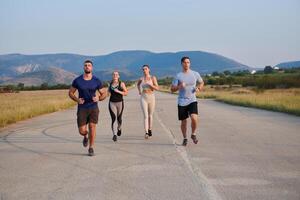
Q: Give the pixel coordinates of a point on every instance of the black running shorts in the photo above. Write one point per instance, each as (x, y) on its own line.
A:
(185, 111)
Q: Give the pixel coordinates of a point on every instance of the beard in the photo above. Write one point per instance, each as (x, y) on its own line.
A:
(87, 71)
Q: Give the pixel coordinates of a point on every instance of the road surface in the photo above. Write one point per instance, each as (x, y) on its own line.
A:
(243, 153)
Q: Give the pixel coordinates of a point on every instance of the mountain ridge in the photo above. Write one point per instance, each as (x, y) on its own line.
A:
(128, 62)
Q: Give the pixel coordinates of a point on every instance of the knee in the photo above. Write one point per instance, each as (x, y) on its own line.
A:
(92, 126)
(183, 122)
(83, 131)
(194, 120)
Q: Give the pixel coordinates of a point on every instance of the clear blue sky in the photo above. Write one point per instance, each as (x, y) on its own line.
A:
(254, 32)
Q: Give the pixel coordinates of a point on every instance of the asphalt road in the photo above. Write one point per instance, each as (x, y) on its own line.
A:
(243, 153)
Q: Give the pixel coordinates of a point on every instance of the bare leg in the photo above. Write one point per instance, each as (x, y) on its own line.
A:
(83, 130)
(92, 135)
(194, 123)
(184, 127)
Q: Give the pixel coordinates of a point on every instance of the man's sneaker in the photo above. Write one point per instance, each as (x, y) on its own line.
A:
(146, 135)
(194, 138)
(119, 132)
(150, 133)
(185, 141)
(114, 138)
(91, 151)
(85, 141)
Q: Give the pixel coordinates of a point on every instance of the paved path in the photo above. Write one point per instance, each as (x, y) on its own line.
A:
(243, 153)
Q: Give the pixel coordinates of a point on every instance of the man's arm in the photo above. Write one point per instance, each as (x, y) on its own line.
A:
(176, 87)
(200, 83)
(200, 86)
(103, 94)
(176, 84)
(72, 95)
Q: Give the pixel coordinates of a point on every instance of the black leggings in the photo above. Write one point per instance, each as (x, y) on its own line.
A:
(116, 111)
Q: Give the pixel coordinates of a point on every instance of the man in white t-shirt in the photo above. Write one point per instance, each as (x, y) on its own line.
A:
(188, 82)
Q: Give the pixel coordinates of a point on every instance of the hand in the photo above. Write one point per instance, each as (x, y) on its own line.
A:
(117, 90)
(80, 101)
(150, 85)
(181, 85)
(201, 88)
(95, 99)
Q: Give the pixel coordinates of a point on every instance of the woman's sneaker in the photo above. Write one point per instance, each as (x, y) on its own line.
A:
(119, 132)
(114, 138)
(150, 133)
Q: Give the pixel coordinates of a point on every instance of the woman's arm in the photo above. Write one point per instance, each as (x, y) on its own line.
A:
(154, 86)
(138, 85)
(124, 92)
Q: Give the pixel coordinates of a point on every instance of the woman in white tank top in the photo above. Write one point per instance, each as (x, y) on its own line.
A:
(146, 86)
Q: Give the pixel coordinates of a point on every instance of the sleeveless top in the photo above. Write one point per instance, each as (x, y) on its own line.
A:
(145, 85)
(114, 96)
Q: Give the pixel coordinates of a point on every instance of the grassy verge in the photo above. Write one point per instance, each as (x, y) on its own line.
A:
(281, 100)
(27, 104)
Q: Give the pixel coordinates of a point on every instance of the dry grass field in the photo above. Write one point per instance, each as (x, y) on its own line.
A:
(281, 100)
(26, 104)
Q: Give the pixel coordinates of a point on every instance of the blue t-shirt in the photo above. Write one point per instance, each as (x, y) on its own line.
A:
(87, 90)
(187, 94)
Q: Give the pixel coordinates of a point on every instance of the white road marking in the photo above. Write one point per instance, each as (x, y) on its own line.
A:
(200, 177)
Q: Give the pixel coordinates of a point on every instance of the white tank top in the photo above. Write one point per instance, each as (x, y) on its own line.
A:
(145, 83)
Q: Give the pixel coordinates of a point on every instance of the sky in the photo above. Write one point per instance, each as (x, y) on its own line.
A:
(254, 32)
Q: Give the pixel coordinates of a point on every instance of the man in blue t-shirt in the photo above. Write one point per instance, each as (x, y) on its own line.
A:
(87, 111)
(188, 82)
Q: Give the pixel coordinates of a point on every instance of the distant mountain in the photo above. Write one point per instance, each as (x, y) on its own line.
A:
(50, 75)
(290, 64)
(107, 74)
(127, 62)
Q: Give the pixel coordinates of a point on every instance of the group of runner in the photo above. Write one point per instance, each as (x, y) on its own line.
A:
(187, 83)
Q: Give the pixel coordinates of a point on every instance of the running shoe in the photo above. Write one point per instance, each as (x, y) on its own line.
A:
(185, 141)
(114, 138)
(119, 132)
(91, 151)
(150, 133)
(194, 138)
(146, 135)
(85, 141)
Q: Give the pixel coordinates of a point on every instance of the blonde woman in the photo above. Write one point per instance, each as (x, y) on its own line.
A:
(117, 90)
(146, 87)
